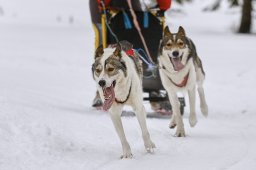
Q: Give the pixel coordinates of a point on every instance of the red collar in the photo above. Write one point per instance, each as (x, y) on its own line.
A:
(183, 83)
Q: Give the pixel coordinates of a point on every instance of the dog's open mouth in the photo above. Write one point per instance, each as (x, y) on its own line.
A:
(109, 96)
(176, 63)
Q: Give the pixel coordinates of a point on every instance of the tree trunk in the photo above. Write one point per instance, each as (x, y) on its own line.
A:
(246, 20)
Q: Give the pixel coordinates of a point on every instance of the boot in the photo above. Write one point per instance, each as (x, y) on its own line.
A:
(97, 102)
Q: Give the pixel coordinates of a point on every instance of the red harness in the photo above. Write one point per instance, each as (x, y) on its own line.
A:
(130, 52)
(183, 83)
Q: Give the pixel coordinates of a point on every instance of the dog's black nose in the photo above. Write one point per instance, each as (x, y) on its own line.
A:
(175, 53)
(102, 83)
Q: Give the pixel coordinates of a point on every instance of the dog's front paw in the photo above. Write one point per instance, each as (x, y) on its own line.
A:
(126, 155)
(180, 133)
(149, 146)
(192, 120)
(204, 110)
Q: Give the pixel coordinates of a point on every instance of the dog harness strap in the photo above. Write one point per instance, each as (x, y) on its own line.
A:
(183, 83)
(122, 102)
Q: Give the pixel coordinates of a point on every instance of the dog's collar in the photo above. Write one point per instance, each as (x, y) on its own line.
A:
(122, 102)
(183, 83)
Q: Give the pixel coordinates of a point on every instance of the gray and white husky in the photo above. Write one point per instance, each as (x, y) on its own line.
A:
(119, 82)
(181, 70)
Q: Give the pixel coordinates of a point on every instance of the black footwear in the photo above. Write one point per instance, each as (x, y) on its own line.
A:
(159, 105)
(97, 102)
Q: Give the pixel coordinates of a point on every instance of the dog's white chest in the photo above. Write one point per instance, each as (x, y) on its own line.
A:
(181, 80)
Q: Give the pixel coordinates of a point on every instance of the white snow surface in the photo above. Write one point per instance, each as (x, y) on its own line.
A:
(46, 91)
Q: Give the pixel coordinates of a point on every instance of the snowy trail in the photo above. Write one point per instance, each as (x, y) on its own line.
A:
(46, 89)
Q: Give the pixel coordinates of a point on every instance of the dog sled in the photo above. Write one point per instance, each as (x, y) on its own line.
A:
(118, 25)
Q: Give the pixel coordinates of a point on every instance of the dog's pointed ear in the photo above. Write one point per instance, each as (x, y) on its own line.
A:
(99, 52)
(181, 31)
(167, 32)
(117, 51)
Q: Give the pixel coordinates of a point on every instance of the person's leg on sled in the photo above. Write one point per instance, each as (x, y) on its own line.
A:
(159, 106)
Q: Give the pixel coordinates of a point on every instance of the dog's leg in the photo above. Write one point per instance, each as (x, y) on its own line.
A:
(200, 89)
(141, 116)
(115, 113)
(192, 105)
(203, 105)
(180, 132)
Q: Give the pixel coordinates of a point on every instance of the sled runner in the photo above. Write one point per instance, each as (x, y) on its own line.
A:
(118, 25)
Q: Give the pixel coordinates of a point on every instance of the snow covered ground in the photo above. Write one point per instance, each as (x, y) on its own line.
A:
(46, 89)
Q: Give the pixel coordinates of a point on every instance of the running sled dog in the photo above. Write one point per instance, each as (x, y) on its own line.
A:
(117, 71)
(181, 70)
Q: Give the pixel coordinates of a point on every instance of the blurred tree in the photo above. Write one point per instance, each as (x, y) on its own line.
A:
(216, 5)
(233, 3)
(182, 1)
(246, 20)
(179, 1)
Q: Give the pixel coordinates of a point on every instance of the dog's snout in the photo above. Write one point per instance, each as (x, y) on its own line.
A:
(102, 83)
(175, 53)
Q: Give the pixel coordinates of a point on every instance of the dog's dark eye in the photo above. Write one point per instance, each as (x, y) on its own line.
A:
(98, 70)
(181, 43)
(169, 45)
(110, 69)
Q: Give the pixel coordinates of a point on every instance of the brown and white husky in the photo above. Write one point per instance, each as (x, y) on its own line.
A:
(118, 73)
(181, 70)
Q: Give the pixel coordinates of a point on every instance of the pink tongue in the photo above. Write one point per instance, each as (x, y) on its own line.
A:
(109, 96)
(177, 64)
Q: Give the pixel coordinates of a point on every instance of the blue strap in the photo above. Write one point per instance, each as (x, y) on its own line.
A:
(145, 58)
(151, 66)
(127, 22)
(145, 20)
